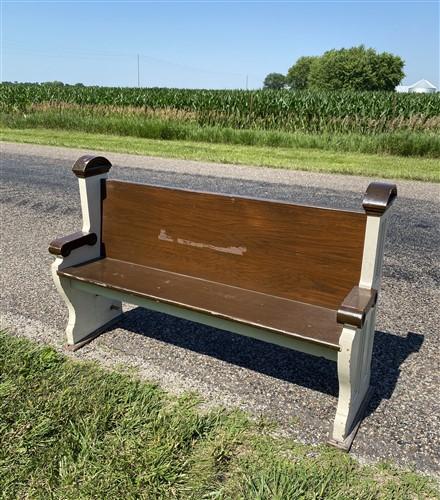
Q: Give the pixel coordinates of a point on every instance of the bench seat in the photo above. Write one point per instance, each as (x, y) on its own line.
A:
(283, 316)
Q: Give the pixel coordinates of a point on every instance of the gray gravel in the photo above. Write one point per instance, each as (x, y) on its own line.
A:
(40, 200)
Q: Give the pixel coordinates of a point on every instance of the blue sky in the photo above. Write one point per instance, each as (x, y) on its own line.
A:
(205, 44)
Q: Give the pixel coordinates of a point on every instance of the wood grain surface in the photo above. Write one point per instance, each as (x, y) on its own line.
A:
(301, 253)
(287, 317)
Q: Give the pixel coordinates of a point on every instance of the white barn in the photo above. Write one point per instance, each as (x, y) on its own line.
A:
(420, 87)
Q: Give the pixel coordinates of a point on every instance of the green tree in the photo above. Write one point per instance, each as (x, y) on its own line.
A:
(274, 81)
(356, 68)
(298, 75)
(55, 83)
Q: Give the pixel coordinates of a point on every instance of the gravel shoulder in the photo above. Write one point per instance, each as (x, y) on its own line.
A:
(39, 200)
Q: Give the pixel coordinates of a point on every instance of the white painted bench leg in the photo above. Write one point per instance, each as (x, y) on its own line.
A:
(354, 358)
(89, 314)
(354, 361)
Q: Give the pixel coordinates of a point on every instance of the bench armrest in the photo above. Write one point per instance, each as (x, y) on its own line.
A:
(356, 305)
(63, 246)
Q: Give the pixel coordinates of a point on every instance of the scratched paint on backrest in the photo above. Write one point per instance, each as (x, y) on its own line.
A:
(308, 254)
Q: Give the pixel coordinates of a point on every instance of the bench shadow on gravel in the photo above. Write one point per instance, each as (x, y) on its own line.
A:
(319, 374)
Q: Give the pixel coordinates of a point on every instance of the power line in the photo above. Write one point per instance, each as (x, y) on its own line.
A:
(94, 54)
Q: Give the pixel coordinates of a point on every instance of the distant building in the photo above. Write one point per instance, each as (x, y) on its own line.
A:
(420, 87)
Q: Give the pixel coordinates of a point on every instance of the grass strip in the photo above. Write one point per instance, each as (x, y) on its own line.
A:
(172, 124)
(74, 430)
(391, 167)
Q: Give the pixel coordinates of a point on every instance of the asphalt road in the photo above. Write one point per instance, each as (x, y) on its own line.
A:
(39, 200)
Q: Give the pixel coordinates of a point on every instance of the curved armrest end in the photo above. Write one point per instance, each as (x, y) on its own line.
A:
(356, 305)
(89, 165)
(379, 197)
(63, 246)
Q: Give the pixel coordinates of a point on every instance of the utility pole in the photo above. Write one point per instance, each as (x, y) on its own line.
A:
(139, 80)
(247, 81)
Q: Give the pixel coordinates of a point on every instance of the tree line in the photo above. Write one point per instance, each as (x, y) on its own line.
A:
(356, 68)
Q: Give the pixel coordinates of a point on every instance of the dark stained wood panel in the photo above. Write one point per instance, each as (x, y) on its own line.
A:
(308, 322)
(306, 254)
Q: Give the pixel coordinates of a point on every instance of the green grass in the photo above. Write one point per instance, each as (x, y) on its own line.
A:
(394, 167)
(175, 125)
(72, 430)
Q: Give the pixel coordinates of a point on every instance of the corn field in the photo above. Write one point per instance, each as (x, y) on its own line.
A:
(315, 112)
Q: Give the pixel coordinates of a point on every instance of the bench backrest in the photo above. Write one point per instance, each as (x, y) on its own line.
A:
(303, 253)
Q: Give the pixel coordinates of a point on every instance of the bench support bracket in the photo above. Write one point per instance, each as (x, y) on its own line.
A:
(89, 314)
(346, 443)
(354, 368)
